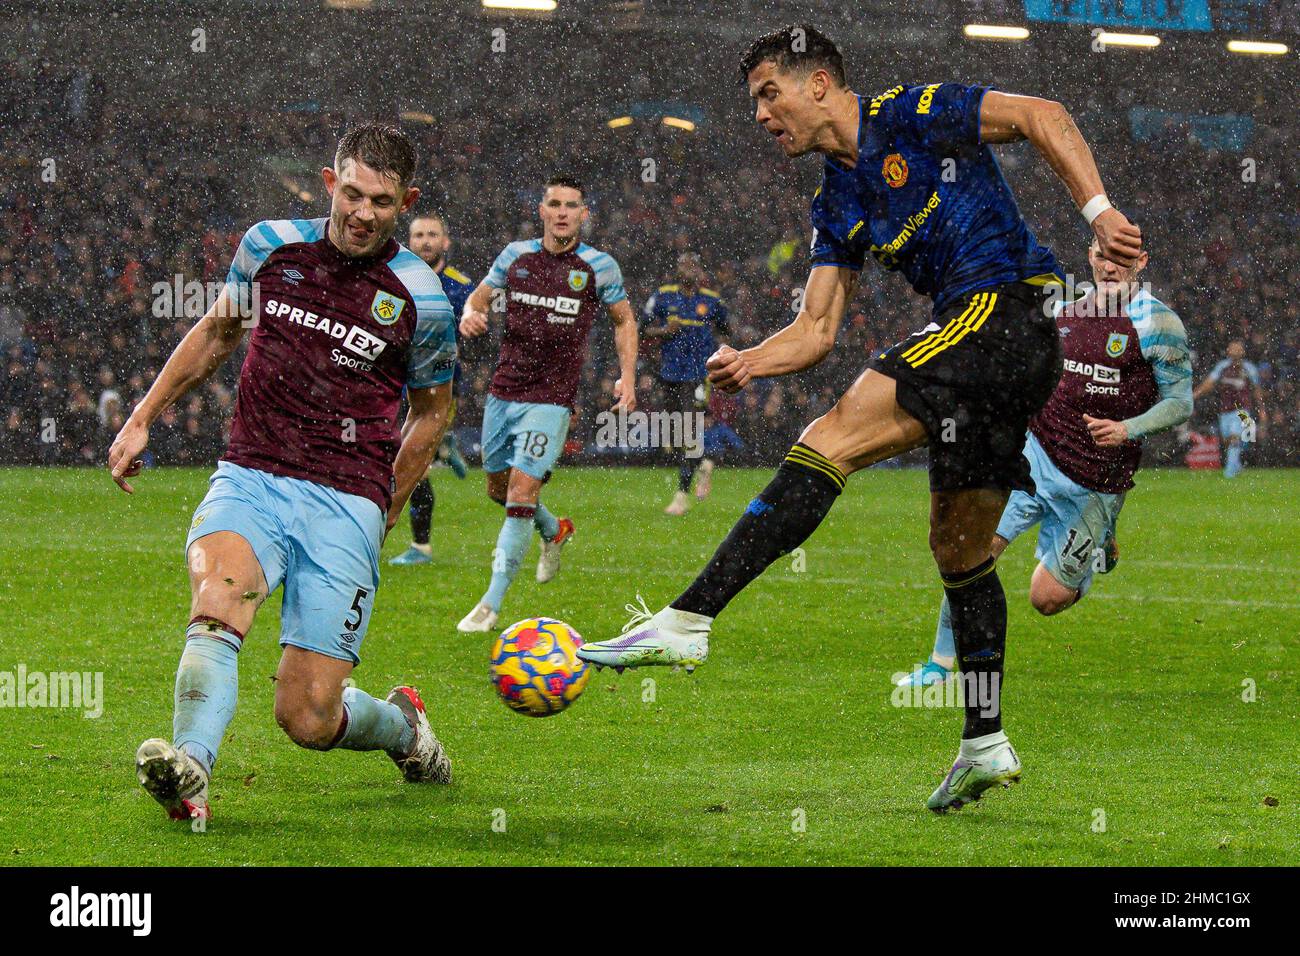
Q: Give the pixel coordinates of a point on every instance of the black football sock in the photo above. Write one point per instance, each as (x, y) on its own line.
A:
(421, 511)
(685, 470)
(780, 519)
(979, 629)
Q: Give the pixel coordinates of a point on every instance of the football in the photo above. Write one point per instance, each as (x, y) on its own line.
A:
(535, 666)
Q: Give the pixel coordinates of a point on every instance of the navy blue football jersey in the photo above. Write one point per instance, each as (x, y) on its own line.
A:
(926, 198)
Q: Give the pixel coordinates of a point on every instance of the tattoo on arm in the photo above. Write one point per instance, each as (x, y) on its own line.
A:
(1065, 125)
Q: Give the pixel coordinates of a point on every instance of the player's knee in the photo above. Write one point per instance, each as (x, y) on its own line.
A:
(1051, 599)
(953, 554)
(309, 724)
(225, 599)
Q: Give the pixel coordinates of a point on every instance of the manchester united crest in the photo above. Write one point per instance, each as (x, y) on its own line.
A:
(894, 170)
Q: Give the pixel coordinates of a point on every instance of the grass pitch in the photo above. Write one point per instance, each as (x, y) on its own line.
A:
(1157, 721)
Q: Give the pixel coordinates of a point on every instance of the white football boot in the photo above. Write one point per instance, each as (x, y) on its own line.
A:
(428, 761)
(173, 778)
(672, 637)
(482, 618)
(981, 763)
(548, 565)
(680, 504)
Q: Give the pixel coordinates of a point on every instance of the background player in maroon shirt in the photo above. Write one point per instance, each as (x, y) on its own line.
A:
(1241, 405)
(343, 318)
(552, 288)
(1127, 374)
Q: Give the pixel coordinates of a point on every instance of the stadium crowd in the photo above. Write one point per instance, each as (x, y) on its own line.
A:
(92, 254)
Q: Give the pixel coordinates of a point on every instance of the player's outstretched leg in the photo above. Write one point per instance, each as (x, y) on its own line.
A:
(226, 586)
(422, 503)
(783, 515)
(864, 427)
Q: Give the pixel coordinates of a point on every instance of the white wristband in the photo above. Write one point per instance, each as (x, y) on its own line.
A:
(1095, 206)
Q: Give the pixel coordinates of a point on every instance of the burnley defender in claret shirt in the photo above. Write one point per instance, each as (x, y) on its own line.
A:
(550, 289)
(343, 317)
(1127, 374)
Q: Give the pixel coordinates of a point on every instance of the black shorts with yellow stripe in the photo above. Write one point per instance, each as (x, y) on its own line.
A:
(974, 377)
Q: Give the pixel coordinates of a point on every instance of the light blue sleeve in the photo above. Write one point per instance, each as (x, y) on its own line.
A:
(1252, 372)
(1164, 345)
(432, 356)
(256, 247)
(1217, 372)
(609, 277)
(496, 276)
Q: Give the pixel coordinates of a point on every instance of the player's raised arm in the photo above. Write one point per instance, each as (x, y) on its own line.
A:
(203, 350)
(628, 343)
(1007, 118)
(801, 344)
(422, 432)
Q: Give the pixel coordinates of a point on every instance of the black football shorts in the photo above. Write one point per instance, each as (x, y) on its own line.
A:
(974, 377)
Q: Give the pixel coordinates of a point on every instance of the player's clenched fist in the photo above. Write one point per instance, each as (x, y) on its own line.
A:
(123, 456)
(473, 323)
(1120, 240)
(1106, 433)
(728, 369)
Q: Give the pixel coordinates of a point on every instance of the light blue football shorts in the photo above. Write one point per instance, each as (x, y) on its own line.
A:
(321, 544)
(1073, 522)
(524, 435)
(1231, 426)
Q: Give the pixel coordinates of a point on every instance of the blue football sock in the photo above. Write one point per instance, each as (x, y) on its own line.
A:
(945, 648)
(207, 688)
(1233, 468)
(512, 542)
(371, 724)
(548, 526)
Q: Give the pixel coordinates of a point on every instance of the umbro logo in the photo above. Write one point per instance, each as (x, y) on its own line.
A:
(293, 276)
(1065, 330)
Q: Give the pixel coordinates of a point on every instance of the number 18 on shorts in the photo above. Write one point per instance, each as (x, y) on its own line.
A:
(524, 435)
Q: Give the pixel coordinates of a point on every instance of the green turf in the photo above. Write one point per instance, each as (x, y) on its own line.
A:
(1130, 704)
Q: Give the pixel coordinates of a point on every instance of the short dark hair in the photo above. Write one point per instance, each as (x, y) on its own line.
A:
(796, 48)
(431, 214)
(567, 181)
(381, 146)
